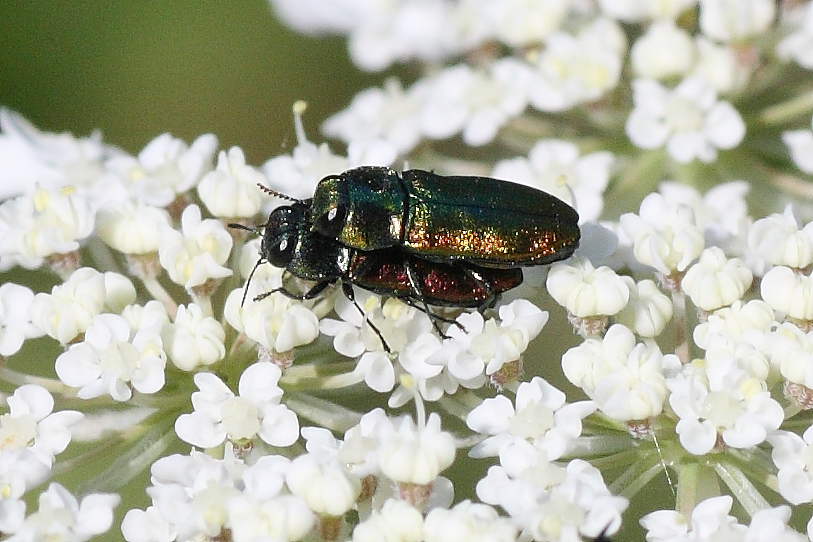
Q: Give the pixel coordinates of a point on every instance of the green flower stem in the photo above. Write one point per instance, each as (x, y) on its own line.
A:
(469, 398)
(328, 382)
(157, 291)
(323, 413)
(205, 303)
(599, 445)
(788, 110)
(16, 378)
(757, 465)
(799, 423)
(687, 487)
(103, 258)
(303, 371)
(639, 474)
(455, 407)
(146, 450)
(681, 326)
(741, 487)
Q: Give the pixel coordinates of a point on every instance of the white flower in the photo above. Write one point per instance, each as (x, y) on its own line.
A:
(576, 69)
(194, 339)
(147, 526)
(718, 65)
(46, 222)
(415, 455)
(196, 254)
(15, 318)
(112, 359)
(319, 478)
(727, 402)
(461, 99)
(791, 352)
(665, 236)
(741, 322)
(277, 322)
(151, 316)
(689, 120)
(32, 432)
(798, 46)
(230, 190)
(772, 524)
(281, 518)
(519, 23)
(541, 416)
(586, 291)
(800, 143)
(555, 166)
(220, 414)
(778, 240)
(71, 306)
(793, 456)
(164, 168)
(648, 310)
(396, 520)
(710, 520)
(132, 227)
(62, 514)
(735, 20)
(789, 292)
(626, 380)
(716, 281)
(467, 521)
(663, 51)
(637, 10)
(388, 114)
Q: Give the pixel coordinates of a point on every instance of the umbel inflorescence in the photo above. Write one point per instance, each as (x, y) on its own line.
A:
(683, 410)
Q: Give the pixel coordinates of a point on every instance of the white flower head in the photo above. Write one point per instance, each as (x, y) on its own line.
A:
(586, 291)
(15, 318)
(43, 223)
(164, 168)
(778, 240)
(32, 433)
(798, 45)
(319, 478)
(710, 520)
(735, 20)
(541, 417)
(71, 306)
(230, 190)
(198, 252)
(396, 519)
(716, 281)
(665, 235)
(577, 69)
(788, 291)
(60, 512)
(556, 166)
(800, 143)
(689, 120)
(664, 50)
(220, 414)
(476, 103)
(194, 339)
(793, 456)
(415, 454)
(740, 323)
(791, 352)
(132, 227)
(468, 521)
(632, 11)
(626, 380)
(114, 359)
(648, 310)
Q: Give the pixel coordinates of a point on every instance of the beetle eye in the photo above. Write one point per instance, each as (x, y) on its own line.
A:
(332, 214)
(281, 253)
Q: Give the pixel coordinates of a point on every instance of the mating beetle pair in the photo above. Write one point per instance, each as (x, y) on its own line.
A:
(424, 238)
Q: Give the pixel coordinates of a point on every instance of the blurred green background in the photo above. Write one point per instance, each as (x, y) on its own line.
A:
(137, 69)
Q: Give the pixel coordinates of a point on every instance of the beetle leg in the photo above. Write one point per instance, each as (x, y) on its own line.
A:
(310, 294)
(422, 309)
(347, 288)
(414, 281)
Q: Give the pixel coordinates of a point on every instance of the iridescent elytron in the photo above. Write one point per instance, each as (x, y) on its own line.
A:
(483, 221)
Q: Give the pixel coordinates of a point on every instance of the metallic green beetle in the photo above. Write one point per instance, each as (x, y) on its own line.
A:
(483, 221)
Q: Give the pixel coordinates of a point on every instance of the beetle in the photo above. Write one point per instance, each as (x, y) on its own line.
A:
(289, 242)
(480, 220)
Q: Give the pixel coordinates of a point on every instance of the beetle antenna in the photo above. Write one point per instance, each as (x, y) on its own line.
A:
(277, 194)
(250, 275)
(236, 226)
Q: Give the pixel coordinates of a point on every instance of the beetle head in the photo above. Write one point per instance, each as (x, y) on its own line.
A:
(282, 232)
